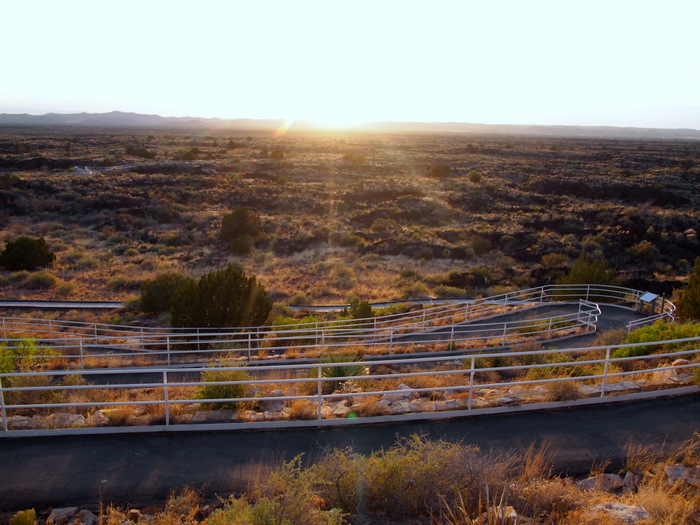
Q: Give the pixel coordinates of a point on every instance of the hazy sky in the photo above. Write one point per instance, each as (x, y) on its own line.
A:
(620, 63)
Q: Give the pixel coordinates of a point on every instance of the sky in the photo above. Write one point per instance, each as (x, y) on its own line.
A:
(568, 62)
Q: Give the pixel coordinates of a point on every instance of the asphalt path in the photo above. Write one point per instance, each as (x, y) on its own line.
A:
(137, 469)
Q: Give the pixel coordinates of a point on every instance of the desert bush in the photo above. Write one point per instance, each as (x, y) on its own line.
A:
(230, 390)
(23, 355)
(26, 253)
(404, 480)
(441, 170)
(444, 291)
(157, 294)
(360, 309)
(300, 331)
(224, 298)
(337, 366)
(588, 271)
(659, 331)
(240, 227)
(474, 176)
(342, 277)
(42, 280)
(285, 497)
(24, 517)
(689, 299)
(562, 391)
(139, 151)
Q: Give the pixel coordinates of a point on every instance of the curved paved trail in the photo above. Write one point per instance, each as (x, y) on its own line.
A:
(133, 469)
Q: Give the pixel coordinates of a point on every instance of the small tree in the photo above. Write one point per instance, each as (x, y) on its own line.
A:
(224, 298)
(157, 294)
(239, 228)
(26, 253)
(360, 309)
(689, 299)
(589, 271)
(441, 170)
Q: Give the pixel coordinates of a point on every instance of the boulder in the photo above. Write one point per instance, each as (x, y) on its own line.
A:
(631, 482)
(626, 513)
(214, 416)
(98, 419)
(87, 518)
(273, 405)
(406, 392)
(673, 374)
(676, 472)
(602, 482)
(61, 516)
(63, 420)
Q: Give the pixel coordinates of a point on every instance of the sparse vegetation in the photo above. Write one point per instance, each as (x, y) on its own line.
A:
(423, 481)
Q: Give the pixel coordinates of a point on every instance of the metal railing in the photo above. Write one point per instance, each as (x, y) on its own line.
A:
(339, 392)
(464, 320)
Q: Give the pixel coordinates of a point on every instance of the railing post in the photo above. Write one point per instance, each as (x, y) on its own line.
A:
(165, 398)
(82, 356)
(588, 291)
(505, 330)
(4, 329)
(391, 341)
(605, 372)
(323, 341)
(471, 384)
(320, 399)
(198, 345)
(549, 329)
(167, 342)
(2, 406)
(452, 336)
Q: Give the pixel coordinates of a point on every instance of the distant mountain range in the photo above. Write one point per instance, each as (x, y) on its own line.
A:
(119, 119)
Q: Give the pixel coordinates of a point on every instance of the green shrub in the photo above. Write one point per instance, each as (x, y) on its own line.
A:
(25, 253)
(224, 298)
(240, 227)
(241, 245)
(230, 390)
(588, 271)
(689, 299)
(157, 294)
(23, 355)
(301, 330)
(342, 366)
(360, 309)
(659, 331)
(474, 176)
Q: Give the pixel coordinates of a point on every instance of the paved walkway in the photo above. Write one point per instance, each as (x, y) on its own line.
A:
(136, 469)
